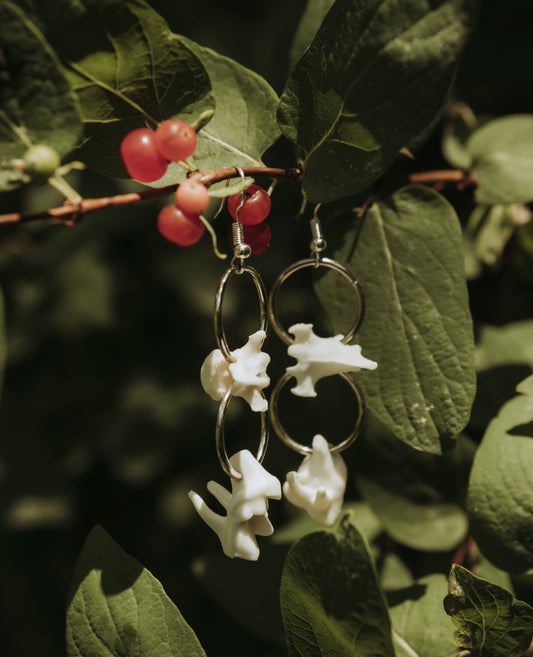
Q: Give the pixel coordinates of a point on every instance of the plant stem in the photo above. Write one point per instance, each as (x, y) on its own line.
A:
(62, 186)
(77, 207)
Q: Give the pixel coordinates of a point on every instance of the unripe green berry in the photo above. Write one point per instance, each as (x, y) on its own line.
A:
(41, 161)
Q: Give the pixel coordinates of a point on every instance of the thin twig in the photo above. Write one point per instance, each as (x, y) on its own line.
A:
(72, 212)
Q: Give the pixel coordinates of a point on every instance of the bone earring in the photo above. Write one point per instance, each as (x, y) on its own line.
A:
(319, 484)
(241, 372)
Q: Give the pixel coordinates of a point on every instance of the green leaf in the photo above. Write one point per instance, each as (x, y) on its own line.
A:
(393, 573)
(500, 495)
(365, 519)
(489, 229)
(117, 607)
(503, 357)
(126, 67)
(374, 77)
(502, 160)
(456, 130)
(417, 496)
(331, 601)
(489, 622)
(37, 105)
(419, 625)
(244, 124)
(310, 21)
(407, 255)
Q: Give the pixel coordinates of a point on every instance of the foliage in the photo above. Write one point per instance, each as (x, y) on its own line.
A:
(488, 620)
(103, 326)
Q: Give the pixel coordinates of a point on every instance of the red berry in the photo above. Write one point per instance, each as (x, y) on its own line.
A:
(141, 157)
(192, 196)
(256, 206)
(257, 237)
(175, 139)
(180, 227)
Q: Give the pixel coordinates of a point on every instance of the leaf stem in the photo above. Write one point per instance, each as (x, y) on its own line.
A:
(212, 233)
(58, 182)
(19, 132)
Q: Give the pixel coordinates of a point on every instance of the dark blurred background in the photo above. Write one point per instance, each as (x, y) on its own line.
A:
(103, 419)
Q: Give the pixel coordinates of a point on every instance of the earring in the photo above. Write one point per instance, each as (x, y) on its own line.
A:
(319, 484)
(226, 374)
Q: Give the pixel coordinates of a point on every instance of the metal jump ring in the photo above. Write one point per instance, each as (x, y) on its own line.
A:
(238, 269)
(221, 443)
(305, 449)
(314, 262)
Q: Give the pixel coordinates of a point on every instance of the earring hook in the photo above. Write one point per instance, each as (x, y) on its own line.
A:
(241, 250)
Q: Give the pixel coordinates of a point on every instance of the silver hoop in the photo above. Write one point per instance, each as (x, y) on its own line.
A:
(315, 262)
(305, 449)
(238, 269)
(221, 442)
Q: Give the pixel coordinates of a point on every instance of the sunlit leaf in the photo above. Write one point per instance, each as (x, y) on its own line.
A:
(489, 621)
(370, 82)
(244, 124)
(407, 255)
(502, 160)
(117, 607)
(500, 495)
(419, 624)
(331, 601)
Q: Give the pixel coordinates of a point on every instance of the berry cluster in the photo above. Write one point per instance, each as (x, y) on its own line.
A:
(146, 154)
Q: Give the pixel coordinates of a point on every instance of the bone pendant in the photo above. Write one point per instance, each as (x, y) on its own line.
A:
(319, 357)
(246, 507)
(246, 376)
(319, 483)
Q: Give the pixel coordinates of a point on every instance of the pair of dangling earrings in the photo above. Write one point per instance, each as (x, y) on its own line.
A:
(319, 483)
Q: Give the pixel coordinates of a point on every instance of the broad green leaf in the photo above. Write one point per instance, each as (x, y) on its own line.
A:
(37, 105)
(118, 608)
(502, 160)
(126, 68)
(500, 495)
(418, 497)
(430, 526)
(310, 21)
(419, 624)
(489, 621)
(244, 124)
(407, 255)
(375, 75)
(331, 601)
